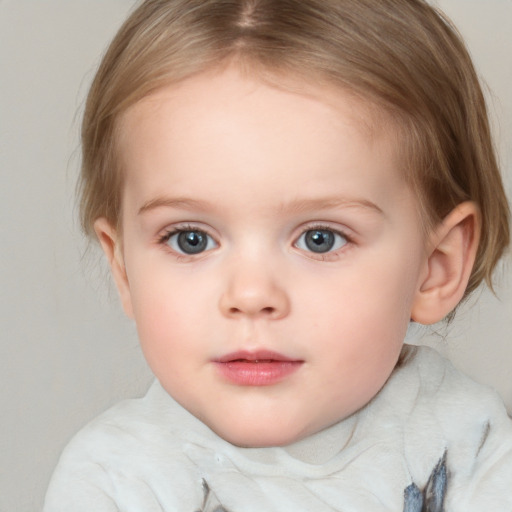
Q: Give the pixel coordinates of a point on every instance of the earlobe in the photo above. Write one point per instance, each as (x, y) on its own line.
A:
(111, 245)
(451, 254)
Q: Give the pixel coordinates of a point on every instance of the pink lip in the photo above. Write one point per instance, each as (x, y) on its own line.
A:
(260, 368)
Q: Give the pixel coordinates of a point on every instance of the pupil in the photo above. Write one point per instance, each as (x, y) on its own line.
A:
(192, 242)
(318, 240)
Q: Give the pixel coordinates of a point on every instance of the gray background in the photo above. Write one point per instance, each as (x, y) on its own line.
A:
(66, 352)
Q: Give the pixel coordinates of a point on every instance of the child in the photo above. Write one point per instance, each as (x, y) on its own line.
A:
(280, 187)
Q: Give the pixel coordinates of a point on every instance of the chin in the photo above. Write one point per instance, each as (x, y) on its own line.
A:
(255, 437)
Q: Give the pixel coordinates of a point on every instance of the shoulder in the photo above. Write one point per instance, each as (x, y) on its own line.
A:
(453, 398)
(121, 456)
(433, 381)
(449, 412)
(115, 432)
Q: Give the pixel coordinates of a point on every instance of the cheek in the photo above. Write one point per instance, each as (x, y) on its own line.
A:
(166, 339)
(364, 314)
(170, 310)
(370, 300)
(388, 282)
(155, 303)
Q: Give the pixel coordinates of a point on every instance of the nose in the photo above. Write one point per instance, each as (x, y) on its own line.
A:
(253, 291)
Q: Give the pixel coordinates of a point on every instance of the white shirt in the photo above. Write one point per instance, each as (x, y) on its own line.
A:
(150, 454)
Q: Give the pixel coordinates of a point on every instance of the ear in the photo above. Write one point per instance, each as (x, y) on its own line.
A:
(451, 254)
(111, 244)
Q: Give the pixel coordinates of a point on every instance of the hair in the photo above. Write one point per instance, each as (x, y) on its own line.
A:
(403, 56)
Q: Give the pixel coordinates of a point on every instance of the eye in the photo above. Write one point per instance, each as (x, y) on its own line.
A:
(190, 241)
(320, 240)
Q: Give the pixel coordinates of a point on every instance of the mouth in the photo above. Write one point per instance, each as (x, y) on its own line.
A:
(260, 368)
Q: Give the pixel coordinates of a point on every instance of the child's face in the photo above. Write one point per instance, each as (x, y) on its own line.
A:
(272, 253)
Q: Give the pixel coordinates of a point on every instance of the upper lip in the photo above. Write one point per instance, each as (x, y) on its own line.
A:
(253, 356)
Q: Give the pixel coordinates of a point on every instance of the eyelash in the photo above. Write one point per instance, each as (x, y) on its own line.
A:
(166, 236)
(325, 227)
(331, 254)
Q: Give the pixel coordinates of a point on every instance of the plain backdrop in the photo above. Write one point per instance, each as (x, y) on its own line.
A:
(66, 351)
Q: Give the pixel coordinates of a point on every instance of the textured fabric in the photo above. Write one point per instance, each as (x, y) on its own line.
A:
(431, 440)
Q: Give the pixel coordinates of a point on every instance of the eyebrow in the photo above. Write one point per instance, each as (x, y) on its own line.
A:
(183, 203)
(296, 206)
(328, 203)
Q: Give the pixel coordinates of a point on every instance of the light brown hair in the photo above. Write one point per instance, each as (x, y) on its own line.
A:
(401, 55)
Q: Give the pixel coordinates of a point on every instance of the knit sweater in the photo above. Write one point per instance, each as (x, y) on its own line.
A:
(432, 439)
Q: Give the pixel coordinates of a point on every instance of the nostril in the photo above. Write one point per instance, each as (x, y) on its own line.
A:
(258, 300)
(269, 310)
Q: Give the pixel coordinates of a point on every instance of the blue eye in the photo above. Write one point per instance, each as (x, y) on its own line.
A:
(320, 240)
(190, 242)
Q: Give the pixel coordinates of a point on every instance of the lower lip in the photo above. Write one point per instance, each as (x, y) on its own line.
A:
(262, 373)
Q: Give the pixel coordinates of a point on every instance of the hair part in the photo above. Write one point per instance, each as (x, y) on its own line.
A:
(401, 55)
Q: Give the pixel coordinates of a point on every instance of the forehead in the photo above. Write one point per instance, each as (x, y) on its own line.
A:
(237, 119)
(228, 83)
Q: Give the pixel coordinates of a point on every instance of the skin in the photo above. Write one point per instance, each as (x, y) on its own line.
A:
(255, 167)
